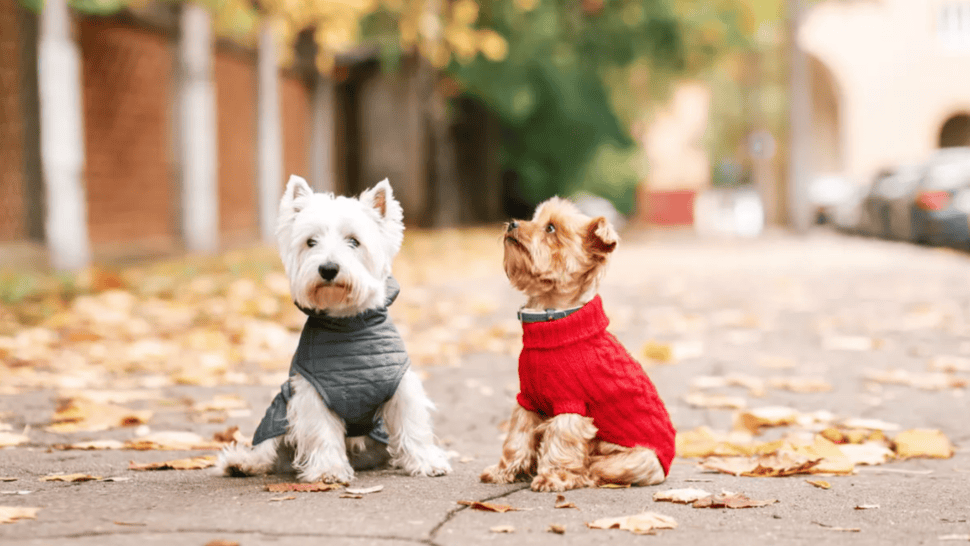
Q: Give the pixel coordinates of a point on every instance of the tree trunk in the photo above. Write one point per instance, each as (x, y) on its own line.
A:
(268, 133)
(197, 114)
(800, 125)
(62, 139)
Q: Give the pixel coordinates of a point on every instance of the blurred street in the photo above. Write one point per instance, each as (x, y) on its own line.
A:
(829, 329)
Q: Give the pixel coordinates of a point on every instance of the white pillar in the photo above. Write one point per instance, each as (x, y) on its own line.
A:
(800, 125)
(269, 143)
(322, 135)
(197, 114)
(62, 139)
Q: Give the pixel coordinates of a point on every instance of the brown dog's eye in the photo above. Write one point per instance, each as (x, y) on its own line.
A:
(550, 228)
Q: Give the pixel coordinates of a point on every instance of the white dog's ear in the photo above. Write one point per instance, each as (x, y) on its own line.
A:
(381, 199)
(296, 193)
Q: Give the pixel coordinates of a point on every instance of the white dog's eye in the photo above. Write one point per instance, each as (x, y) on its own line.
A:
(550, 228)
(353, 242)
(311, 242)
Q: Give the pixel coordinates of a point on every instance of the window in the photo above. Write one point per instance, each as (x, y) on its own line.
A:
(953, 25)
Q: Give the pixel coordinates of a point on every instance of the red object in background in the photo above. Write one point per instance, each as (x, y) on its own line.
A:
(667, 208)
(933, 200)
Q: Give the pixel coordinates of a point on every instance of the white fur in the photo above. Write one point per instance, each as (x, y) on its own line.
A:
(315, 443)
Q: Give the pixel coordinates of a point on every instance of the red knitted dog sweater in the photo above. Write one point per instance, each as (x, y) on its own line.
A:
(573, 365)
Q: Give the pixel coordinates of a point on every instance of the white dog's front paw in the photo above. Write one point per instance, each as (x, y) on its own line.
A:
(432, 461)
(337, 474)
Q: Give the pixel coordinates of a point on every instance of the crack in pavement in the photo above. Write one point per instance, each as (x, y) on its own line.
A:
(454, 511)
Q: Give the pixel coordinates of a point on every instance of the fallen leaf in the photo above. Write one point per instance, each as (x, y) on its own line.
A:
(821, 484)
(70, 478)
(221, 542)
(488, 506)
(731, 500)
(302, 487)
(10, 514)
(715, 401)
(364, 490)
(869, 453)
(8, 439)
(755, 385)
(658, 352)
(80, 415)
(867, 507)
(924, 381)
(7, 479)
(350, 496)
(193, 463)
(117, 479)
(645, 523)
(557, 529)
(680, 496)
(280, 499)
(129, 523)
(955, 537)
(949, 364)
(228, 436)
(172, 441)
(91, 445)
(802, 385)
(777, 465)
(562, 503)
(773, 416)
(614, 486)
(502, 529)
(923, 443)
(871, 424)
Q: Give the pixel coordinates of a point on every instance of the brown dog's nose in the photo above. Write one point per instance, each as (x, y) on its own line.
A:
(512, 225)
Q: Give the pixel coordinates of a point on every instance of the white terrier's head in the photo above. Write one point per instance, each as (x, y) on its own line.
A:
(337, 251)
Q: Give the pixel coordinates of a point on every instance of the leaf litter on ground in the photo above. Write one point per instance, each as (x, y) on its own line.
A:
(488, 506)
(192, 463)
(69, 478)
(646, 523)
(10, 514)
(315, 487)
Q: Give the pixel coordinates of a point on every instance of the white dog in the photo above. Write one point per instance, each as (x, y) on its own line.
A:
(351, 401)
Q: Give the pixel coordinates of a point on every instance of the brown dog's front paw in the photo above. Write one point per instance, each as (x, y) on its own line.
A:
(496, 474)
(559, 481)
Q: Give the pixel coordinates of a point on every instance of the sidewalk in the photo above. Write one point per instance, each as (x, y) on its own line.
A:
(837, 309)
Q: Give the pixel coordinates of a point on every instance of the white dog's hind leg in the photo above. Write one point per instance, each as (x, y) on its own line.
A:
(240, 460)
(317, 434)
(408, 418)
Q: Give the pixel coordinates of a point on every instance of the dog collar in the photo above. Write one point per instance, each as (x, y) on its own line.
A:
(548, 315)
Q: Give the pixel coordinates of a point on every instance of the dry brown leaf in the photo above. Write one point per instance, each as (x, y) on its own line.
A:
(7, 479)
(821, 484)
(80, 415)
(561, 502)
(488, 506)
(830, 457)
(867, 507)
(802, 385)
(869, 453)
(731, 500)
(870, 424)
(221, 542)
(502, 529)
(8, 439)
(557, 529)
(364, 490)
(350, 496)
(193, 463)
(773, 416)
(923, 443)
(778, 465)
(680, 496)
(281, 499)
(91, 446)
(227, 436)
(614, 486)
(838, 529)
(10, 514)
(696, 443)
(302, 487)
(645, 523)
(70, 478)
(130, 523)
(172, 441)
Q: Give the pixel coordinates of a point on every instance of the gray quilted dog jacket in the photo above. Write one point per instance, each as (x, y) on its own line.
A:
(355, 363)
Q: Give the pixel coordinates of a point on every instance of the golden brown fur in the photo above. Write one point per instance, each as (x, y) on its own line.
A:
(557, 260)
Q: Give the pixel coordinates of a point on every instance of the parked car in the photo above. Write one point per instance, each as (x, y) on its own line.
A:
(941, 208)
(886, 210)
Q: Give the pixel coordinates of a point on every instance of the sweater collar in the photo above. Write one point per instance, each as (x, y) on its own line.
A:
(370, 317)
(584, 323)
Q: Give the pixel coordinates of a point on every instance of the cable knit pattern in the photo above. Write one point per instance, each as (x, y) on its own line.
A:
(573, 365)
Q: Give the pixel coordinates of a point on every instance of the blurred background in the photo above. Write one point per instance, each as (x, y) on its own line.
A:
(140, 128)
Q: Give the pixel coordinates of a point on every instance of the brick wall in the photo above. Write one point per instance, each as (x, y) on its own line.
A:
(296, 125)
(235, 78)
(126, 74)
(12, 213)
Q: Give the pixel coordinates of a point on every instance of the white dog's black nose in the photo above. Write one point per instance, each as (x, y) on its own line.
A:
(328, 271)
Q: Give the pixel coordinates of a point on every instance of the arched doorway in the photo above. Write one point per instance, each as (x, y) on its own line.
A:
(955, 131)
(826, 154)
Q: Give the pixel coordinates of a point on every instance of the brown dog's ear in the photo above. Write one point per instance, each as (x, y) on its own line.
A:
(601, 238)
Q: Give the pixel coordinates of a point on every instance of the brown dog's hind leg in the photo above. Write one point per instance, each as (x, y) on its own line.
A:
(520, 450)
(564, 453)
(625, 465)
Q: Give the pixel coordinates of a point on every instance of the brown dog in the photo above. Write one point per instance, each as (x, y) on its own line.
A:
(587, 414)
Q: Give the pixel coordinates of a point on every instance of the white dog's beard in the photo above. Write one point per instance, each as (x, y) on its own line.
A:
(326, 296)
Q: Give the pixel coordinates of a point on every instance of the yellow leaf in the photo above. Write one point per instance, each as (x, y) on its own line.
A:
(70, 478)
(78, 414)
(657, 352)
(931, 444)
(773, 416)
(645, 523)
(8, 439)
(488, 506)
(502, 529)
(302, 487)
(10, 514)
(194, 463)
(821, 484)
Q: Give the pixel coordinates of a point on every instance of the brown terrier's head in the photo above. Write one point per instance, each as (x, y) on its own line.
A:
(559, 256)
